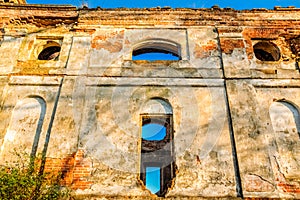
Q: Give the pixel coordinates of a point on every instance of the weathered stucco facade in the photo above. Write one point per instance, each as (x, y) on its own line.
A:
(232, 98)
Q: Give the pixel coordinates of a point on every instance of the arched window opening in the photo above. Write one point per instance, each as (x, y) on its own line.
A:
(50, 51)
(154, 55)
(154, 50)
(157, 147)
(266, 51)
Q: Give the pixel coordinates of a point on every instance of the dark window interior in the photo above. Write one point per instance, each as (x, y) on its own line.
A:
(266, 51)
(49, 53)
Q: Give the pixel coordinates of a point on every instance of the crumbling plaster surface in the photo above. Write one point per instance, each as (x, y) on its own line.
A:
(239, 59)
(18, 92)
(264, 146)
(9, 47)
(100, 108)
(89, 108)
(100, 135)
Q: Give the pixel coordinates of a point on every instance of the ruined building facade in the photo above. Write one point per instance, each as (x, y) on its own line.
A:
(228, 105)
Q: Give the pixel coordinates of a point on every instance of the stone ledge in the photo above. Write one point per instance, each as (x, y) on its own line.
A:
(34, 80)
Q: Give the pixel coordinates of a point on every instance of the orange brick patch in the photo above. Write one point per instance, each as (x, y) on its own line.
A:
(75, 170)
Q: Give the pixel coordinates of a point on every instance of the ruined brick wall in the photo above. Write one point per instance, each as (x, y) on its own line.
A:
(70, 89)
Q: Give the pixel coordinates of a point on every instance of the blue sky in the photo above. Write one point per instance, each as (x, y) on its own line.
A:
(153, 179)
(155, 56)
(236, 4)
(153, 131)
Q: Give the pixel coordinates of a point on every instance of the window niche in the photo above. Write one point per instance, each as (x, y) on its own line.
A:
(25, 129)
(157, 165)
(286, 125)
(266, 51)
(155, 50)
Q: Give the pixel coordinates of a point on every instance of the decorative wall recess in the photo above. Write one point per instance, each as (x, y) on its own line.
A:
(285, 120)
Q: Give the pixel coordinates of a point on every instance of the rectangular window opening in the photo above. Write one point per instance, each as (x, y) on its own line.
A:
(157, 157)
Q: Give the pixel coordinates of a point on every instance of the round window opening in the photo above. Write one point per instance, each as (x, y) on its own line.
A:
(49, 53)
(266, 51)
